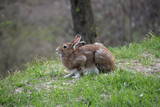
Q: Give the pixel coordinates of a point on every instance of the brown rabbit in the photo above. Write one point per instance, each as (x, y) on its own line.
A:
(85, 58)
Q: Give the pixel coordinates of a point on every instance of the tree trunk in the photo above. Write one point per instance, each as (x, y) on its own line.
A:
(83, 20)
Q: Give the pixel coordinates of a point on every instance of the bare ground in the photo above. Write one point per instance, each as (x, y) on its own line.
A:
(137, 65)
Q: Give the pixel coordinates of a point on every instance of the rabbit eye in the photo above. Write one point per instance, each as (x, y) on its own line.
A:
(64, 46)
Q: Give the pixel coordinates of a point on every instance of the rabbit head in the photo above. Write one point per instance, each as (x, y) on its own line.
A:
(68, 48)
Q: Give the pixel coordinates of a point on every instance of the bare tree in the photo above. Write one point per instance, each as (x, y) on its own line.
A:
(83, 20)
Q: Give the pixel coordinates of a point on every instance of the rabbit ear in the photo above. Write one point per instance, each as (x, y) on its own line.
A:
(76, 40)
(81, 43)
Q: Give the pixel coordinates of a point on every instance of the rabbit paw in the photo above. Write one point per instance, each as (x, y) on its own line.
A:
(76, 76)
(69, 75)
(73, 73)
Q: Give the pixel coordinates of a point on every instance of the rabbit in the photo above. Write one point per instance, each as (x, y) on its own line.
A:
(84, 58)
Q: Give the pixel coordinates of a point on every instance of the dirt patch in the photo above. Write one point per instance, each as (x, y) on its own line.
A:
(137, 66)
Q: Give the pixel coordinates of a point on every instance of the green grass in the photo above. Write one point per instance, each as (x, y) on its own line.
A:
(42, 84)
(134, 50)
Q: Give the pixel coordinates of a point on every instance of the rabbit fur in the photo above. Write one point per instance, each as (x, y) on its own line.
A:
(80, 58)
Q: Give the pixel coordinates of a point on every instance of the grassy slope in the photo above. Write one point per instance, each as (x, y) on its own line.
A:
(42, 84)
